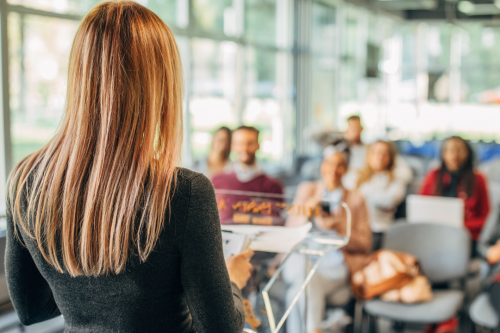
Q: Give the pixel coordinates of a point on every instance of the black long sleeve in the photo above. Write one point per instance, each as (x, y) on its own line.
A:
(183, 287)
(29, 291)
(203, 269)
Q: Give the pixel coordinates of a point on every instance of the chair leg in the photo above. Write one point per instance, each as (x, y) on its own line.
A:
(358, 317)
(373, 325)
(399, 327)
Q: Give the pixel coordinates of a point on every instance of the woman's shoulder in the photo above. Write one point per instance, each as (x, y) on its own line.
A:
(479, 175)
(432, 172)
(480, 178)
(193, 180)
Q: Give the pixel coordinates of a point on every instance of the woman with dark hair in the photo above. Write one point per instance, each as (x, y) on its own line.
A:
(103, 227)
(217, 161)
(456, 178)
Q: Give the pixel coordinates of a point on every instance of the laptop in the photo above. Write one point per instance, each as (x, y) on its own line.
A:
(438, 210)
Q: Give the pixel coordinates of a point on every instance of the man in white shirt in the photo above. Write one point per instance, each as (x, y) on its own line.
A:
(357, 148)
(402, 170)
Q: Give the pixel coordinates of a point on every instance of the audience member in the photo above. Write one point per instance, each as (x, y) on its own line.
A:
(217, 160)
(382, 191)
(357, 148)
(401, 171)
(457, 178)
(103, 227)
(248, 175)
(332, 278)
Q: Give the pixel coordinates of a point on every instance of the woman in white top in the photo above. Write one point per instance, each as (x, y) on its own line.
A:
(383, 191)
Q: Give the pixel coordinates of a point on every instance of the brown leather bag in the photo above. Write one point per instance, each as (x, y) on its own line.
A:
(384, 271)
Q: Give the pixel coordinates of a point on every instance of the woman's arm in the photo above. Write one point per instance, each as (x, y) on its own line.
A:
(361, 234)
(476, 223)
(29, 291)
(214, 302)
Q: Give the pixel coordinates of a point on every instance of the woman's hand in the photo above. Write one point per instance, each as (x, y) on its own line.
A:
(239, 268)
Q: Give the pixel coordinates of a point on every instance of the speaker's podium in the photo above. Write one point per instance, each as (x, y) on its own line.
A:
(311, 227)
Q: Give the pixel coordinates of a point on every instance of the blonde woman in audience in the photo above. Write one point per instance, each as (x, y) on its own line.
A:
(382, 191)
(331, 282)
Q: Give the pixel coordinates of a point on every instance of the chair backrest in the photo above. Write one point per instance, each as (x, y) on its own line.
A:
(443, 251)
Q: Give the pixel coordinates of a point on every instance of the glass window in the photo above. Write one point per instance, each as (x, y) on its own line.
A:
(213, 91)
(438, 40)
(171, 11)
(260, 21)
(216, 16)
(480, 64)
(324, 29)
(350, 40)
(323, 59)
(76, 7)
(323, 92)
(39, 55)
(166, 9)
(267, 101)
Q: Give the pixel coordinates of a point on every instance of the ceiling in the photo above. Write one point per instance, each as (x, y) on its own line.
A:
(482, 10)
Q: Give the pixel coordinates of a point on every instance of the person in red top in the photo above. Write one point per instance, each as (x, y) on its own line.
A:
(457, 178)
(247, 176)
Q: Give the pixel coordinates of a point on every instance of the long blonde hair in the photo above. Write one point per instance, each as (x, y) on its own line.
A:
(102, 186)
(367, 173)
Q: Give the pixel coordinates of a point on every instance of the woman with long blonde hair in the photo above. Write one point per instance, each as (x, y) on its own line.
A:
(383, 191)
(103, 227)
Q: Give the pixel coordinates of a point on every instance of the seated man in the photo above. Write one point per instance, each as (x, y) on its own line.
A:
(247, 175)
(402, 171)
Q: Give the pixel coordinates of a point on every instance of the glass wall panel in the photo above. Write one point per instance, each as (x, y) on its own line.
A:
(39, 53)
(480, 64)
(213, 91)
(324, 59)
(215, 15)
(76, 7)
(260, 21)
(262, 106)
(166, 9)
(324, 30)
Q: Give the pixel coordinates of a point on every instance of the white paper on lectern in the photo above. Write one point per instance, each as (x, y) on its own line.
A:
(233, 243)
(271, 238)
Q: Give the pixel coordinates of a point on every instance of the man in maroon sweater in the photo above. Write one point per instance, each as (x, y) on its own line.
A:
(247, 176)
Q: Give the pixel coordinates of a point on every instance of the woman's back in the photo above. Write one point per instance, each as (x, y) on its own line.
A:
(118, 238)
(183, 284)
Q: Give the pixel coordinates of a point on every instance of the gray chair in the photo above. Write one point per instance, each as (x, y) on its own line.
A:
(482, 314)
(443, 253)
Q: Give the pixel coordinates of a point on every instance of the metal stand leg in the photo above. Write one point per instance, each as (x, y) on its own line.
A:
(307, 292)
(358, 317)
(373, 325)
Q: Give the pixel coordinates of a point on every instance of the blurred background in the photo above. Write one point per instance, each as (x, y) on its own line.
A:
(416, 70)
